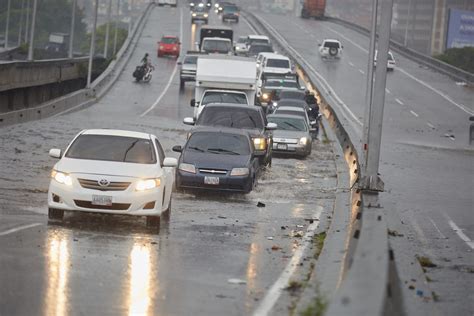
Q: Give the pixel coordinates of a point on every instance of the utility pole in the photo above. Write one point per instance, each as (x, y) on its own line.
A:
(21, 22)
(71, 32)
(27, 25)
(371, 180)
(92, 48)
(116, 25)
(107, 29)
(32, 32)
(370, 76)
(8, 24)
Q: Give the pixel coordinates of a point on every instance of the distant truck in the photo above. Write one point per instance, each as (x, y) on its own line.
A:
(215, 31)
(58, 43)
(224, 79)
(313, 9)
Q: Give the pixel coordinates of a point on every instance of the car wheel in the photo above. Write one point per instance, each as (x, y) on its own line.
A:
(153, 221)
(54, 213)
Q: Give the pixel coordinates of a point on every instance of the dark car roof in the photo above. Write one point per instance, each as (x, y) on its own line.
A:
(292, 94)
(286, 116)
(293, 102)
(233, 105)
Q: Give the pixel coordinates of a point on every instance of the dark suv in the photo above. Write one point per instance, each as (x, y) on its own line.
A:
(243, 117)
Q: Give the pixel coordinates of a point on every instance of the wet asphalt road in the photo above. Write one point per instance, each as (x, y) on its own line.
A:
(97, 264)
(426, 162)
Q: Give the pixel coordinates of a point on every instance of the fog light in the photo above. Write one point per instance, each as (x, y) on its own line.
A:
(56, 198)
(149, 206)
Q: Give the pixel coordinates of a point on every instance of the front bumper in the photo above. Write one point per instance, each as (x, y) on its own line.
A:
(291, 149)
(226, 183)
(128, 202)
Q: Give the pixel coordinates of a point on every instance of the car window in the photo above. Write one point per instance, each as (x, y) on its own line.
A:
(112, 148)
(289, 123)
(292, 95)
(281, 84)
(218, 143)
(278, 63)
(169, 40)
(224, 97)
(190, 60)
(231, 117)
(230, 9)
(331, 44)
(290, 112)
(216, 46)
(255, 49)
(242, 40)
(161, 152)
(252, 41)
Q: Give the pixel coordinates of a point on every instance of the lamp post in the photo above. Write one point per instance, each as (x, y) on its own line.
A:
(107, 29)
(92, 48)
(32, 31)
(71, 33)
(8, 23)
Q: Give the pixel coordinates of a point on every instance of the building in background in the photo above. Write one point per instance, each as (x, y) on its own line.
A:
(421, 25)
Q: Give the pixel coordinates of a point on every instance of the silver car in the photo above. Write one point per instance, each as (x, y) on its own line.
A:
(292, 136)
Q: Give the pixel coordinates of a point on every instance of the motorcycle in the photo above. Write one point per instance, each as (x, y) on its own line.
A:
(143, 73)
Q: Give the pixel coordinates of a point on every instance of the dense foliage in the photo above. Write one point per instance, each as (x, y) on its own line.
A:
(459, 57)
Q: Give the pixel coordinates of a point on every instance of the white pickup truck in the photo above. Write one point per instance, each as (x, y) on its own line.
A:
(224, 79)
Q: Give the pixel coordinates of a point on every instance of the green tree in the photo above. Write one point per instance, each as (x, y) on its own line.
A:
(100, 39)
(459, 57)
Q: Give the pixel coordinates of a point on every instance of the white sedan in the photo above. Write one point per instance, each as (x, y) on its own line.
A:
(112, 171)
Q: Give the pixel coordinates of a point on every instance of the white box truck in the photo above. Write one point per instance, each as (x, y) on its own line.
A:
(224, 79)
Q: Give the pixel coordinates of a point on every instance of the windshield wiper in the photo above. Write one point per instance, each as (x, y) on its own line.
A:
(221, 150)
(196, 148)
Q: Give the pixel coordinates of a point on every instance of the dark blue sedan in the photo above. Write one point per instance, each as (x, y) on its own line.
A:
(218, 159)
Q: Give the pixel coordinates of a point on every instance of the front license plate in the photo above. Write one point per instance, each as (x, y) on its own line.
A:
(102, 200)
(282, 146)
(211, 180)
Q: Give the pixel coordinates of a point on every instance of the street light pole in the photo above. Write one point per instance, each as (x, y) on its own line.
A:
(92, 48)
(32, 32)
(71, 33)
(27, 24)
(116, 25)
(370, 77)
(107, 29)
(21, 22)
(8, 24)
(371, 180)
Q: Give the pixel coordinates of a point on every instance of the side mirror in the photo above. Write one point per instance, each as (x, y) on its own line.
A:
(192, 102)
(55, 153)
(170, 162)
(188, 121)
(177, 149)
(271, 126)
(179, 63)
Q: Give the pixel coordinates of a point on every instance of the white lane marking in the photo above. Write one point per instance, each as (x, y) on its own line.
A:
(414, 113)
(460, 106)
(16, 229)
(430, 125)
(275, 291)
(399, 101)
(328, 89)
(388, 91)
(460, 233)
(172, 74)
(450, 136)
(447, 98)
(361, 71)
(421, 237)
(351, 64)
(436, 226)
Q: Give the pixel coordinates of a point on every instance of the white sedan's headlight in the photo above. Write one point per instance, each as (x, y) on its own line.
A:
(187, 167)
(303, 140)
(61, 177)
(239, 172)
(148, 184)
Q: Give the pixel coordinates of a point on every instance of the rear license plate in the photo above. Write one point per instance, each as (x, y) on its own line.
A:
(282, 146)
(211, 180)
(102, 200)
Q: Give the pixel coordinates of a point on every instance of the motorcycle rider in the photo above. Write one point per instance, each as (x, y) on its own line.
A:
(146, 62)
(312, 102)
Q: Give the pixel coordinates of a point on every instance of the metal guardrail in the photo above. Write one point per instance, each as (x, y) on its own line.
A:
(438, 65)
(366, 280)
(84, 97)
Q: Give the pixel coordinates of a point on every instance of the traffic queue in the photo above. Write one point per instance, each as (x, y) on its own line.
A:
(249, 105)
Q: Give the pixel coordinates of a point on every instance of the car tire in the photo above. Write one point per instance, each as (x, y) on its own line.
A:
(166, 214)
(333, 51)
(54, 213)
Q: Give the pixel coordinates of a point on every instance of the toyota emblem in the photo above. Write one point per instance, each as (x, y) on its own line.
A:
(103, 182)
